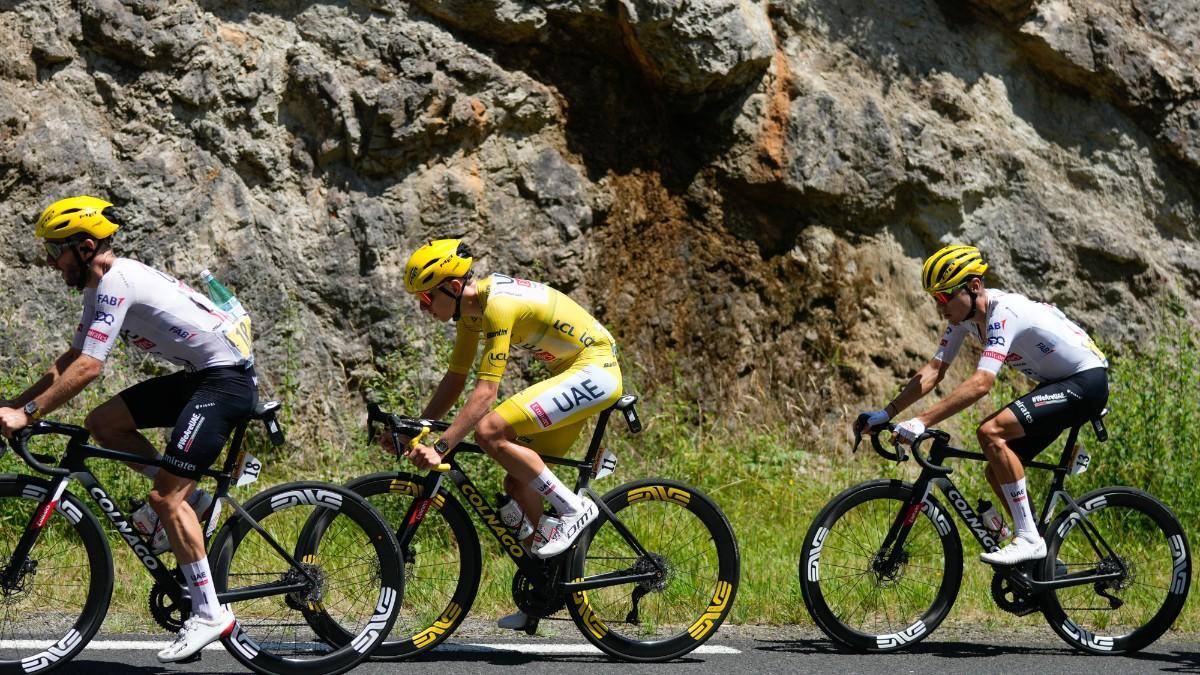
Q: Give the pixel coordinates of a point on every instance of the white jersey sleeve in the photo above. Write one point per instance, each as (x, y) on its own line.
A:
(950, 343)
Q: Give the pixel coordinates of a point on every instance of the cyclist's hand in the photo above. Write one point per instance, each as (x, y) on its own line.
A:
(12, 420)
(908, 430)
(874, 419)
(424, 457)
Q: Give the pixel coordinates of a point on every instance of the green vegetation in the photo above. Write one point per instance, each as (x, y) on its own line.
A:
(769, 478)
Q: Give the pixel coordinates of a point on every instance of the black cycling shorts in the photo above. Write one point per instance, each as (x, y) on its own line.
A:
(1053, 407)
(203, 407)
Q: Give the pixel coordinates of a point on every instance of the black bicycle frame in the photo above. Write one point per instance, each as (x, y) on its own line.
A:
(531, 567)
(941, 450)
(73, 461)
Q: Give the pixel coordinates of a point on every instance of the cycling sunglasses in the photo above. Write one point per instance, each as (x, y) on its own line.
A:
(943, 297)
(426, 297)
(54, 249)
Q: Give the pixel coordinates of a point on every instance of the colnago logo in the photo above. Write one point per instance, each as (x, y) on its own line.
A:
(194, 424)
(1049, 399)
(492, 520)
(976, 525)
(124, 528)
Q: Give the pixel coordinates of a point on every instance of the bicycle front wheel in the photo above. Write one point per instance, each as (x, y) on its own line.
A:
(688, 545)
(858, 594)
(56, 602)
(350, 577)
(1134, 536)
(442, 562)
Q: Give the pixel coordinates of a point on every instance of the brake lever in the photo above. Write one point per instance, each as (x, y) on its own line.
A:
(859, 425)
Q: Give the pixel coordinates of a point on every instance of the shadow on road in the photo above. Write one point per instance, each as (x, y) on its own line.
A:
(83, 666)
(1170, 658)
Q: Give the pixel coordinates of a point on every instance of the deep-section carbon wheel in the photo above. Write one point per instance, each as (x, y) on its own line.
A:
(691, 559)
(59, 596)
(1138, 541)
(865, 599)
(346, 592)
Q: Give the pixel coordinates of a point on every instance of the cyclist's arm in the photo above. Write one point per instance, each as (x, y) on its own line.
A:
(919, 386)
(61, 383)
(52, 375)
(448, 391)
(478, 404)
(971, 390)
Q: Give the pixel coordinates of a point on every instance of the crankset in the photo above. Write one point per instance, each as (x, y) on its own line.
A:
(1010, 597)
(169, 612)
(536, 601)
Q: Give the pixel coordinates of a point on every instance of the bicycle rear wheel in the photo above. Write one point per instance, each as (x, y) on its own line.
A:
(1146, 546)
(442, 562)
(691, 547)
(59, 599)
(864, 599)
(352, 576)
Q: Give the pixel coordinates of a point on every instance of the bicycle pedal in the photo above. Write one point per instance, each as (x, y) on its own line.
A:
(531, 626)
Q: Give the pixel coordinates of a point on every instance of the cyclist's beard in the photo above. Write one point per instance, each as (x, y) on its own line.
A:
(79, 277)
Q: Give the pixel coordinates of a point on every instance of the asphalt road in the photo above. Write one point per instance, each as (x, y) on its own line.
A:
(793, 651)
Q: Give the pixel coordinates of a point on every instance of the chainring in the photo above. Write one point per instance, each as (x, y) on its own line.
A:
(167, 612)
(532, 601)
(1012, 598)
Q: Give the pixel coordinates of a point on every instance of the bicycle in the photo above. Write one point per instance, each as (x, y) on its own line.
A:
(652, 579)
(1116, 573)
(57, 581)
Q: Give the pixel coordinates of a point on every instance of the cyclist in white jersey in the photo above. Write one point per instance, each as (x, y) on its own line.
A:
(1036, 339)
(124, 299)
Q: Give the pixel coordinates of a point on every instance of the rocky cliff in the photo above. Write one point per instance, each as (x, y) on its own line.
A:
(743, 191)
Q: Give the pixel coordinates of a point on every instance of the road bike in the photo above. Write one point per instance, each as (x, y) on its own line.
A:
(881, 565)
(287, 591)
(652, 579)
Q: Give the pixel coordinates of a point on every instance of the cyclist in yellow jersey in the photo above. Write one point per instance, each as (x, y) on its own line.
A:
(501, 312)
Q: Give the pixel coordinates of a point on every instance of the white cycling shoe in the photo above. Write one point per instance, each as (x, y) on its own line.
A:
(196, 634)
(555, 535)
(1017, 551)
(515, 621)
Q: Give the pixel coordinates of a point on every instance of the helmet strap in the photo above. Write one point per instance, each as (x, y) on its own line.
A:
(973, 296)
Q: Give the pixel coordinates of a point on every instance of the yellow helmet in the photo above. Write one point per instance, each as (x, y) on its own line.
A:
(75, 215)
(951, 266)
(436, 262)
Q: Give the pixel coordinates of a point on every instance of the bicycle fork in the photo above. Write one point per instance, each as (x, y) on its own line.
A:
(19, 564)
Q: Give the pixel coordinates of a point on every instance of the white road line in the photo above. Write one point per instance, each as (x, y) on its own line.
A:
(522, 648)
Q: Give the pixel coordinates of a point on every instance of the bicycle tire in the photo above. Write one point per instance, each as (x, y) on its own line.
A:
(658, 512)
(856, 580)
(83, 578)
(442, 564)
(274, 634)
(1156, 555)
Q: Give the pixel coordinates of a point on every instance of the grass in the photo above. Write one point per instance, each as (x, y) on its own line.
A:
(769, 476)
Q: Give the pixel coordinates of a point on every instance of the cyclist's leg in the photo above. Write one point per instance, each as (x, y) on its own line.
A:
(150, 404)
(553, 442)
(222, 398)
(997, 435)
(562, 402)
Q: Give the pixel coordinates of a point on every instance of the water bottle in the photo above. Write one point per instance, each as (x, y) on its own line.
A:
(145, 520)
(992, 519)
(240, 336)
(513, 517)
(222, 297)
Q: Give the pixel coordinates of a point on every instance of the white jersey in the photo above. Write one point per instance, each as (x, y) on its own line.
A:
(159, 314)
(1033, 337)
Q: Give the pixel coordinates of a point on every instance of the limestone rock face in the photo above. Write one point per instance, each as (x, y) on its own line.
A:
(742, 191)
